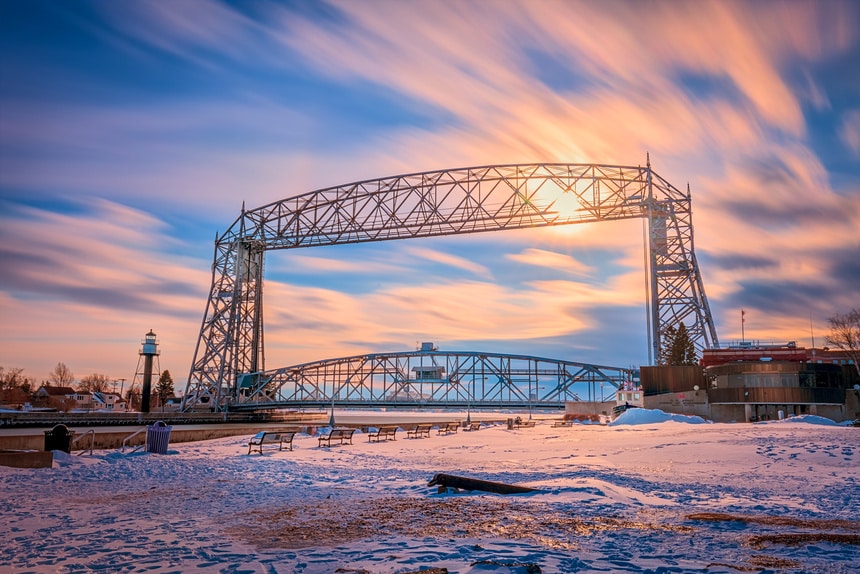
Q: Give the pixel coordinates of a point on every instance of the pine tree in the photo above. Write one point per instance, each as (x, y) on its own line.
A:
(684, 352)
(677, 347)
(165, 386)
(668, 341)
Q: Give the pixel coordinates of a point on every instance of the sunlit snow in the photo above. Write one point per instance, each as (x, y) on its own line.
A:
(650, 493)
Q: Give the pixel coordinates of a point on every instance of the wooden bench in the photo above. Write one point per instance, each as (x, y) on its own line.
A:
(339, 435)
(448, 428)
(283, 440)
(382, 433)
(472, 427)
(419, 431)
(523, 424)
(562, 423)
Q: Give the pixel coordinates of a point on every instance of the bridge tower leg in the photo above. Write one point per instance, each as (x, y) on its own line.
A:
(676, 291)
(231, 336)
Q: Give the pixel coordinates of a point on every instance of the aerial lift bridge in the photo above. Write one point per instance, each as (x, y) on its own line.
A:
(228, 365)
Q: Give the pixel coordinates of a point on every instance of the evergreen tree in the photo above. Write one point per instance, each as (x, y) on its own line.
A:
(164, 388)
(685, 349)
(667, 342)
(677, 347)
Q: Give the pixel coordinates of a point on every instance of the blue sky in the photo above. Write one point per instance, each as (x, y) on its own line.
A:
(131, 132)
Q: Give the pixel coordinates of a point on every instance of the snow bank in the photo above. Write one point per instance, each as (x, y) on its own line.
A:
(652, 416)
(803, 419)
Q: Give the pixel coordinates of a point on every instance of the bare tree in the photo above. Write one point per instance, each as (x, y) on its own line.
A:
(8, 378)
(845, 334)
(14, 386)
(61, 376)
(132, 397)
(14, 378)
(95, 383)
(63, 405)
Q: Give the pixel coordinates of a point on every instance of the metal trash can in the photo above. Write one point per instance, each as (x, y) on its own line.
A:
(158, 437)
(59, 438)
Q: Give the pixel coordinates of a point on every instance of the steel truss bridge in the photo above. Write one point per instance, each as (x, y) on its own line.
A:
(228, 367)
(429, 377)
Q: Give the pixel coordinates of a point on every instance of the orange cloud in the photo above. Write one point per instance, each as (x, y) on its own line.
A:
(448, 259)
(336, 322)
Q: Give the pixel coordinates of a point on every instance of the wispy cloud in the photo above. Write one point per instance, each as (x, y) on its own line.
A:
(95, 276)
(551, 260)
(850, 131)
(321, 320)
(449, 260)
(294, 263)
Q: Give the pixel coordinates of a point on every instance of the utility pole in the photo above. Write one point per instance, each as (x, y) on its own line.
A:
(121, 387)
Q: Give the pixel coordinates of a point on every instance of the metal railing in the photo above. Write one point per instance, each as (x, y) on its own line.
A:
(128, 438)
(90, 433)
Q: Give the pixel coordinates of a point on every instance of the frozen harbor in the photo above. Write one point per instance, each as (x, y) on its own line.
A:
(646, 494)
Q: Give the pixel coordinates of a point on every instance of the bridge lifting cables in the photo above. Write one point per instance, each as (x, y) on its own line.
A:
(228, 366)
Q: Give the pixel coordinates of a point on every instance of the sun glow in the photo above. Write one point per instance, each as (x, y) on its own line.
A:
(553, 199)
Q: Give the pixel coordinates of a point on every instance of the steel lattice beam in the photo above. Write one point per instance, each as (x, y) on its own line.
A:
(447, 202)
(466, 378)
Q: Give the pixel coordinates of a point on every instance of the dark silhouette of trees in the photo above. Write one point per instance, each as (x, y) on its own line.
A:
(15, 387)
(95, 383)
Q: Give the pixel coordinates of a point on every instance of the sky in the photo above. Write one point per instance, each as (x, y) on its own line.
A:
(131, 133)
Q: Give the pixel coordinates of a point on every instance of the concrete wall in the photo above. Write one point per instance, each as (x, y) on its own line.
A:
(696, 403)
(588, 408)
(723, 413)
(27, 459)
(109, 438)
(837, 413)
(852, 404)
(686, 403)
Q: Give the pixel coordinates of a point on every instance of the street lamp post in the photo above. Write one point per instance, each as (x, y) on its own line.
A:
(334, 390)
(331, 419)
(121, 387)
(469, 404)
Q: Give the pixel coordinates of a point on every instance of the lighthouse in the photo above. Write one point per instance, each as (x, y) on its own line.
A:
(148, 352)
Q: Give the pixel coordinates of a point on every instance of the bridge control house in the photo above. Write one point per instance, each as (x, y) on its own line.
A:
(750, 382)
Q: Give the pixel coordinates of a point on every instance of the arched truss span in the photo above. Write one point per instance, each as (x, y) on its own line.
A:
(446, 202)
(431, 377)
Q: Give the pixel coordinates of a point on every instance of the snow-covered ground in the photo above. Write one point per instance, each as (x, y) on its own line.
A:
(650, 493)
